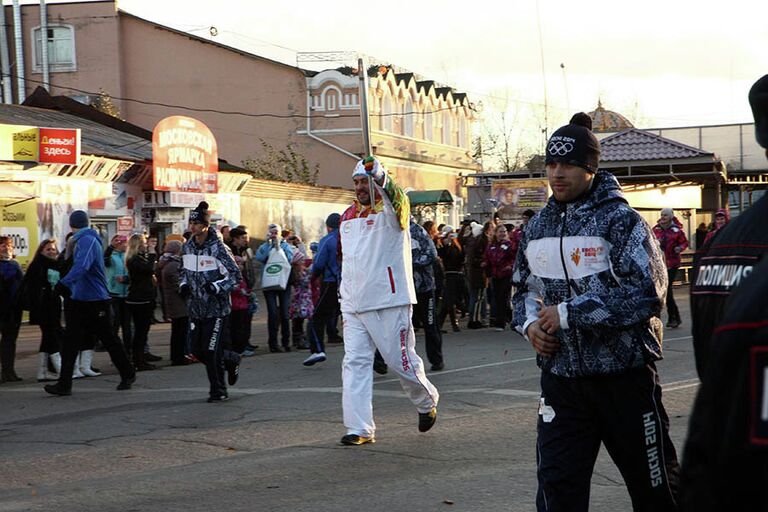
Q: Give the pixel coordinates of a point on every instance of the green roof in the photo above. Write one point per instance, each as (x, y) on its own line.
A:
(430, 196)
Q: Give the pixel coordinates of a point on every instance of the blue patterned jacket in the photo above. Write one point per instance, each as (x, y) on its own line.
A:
(209, 263)
(423, 256)
(609, 315)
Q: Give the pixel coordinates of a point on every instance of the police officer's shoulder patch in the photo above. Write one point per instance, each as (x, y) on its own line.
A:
(758, 396)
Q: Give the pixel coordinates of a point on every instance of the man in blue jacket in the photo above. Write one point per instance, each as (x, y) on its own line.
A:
(87, 307)
(590, 287)
(326, 265)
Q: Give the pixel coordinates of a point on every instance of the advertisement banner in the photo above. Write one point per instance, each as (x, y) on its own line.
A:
(59, 146)
(513, 197)
(19, 143)
(19, 221)
(184, 156)
(113, 199)
(58, 198)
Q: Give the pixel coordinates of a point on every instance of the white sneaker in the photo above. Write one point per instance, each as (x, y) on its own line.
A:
(499, 329)
(314, 358)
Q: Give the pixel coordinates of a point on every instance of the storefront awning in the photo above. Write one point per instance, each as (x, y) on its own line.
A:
(419, 197)
(11, 194)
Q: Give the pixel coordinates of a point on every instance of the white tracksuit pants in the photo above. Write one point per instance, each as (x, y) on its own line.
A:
(390, 330)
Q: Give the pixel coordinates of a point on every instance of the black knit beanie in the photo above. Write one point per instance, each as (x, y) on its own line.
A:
(200, 214)
(333, 221)
(758, 100)
(575, 144)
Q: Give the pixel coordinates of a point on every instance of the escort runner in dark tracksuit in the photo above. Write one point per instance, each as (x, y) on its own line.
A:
(208, 275)
(725, 462)
(87, 308)
(424, 255)
(590, 287)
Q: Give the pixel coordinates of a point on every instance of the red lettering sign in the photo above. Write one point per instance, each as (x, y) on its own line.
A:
(59, 146)
(184, 156)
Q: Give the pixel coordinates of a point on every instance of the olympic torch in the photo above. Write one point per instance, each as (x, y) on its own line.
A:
(363, 94)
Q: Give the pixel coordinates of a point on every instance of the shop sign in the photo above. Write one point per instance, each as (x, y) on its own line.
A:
(169, 215)
(184, 199)
(59, 146)
(184, 156)
(19, 143)
(20, 223)
(125, 224)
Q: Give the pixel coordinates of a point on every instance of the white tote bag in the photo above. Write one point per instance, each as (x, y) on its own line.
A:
(276, 271)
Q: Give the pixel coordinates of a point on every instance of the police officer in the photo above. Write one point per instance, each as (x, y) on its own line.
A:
(730, 256)
(725, 462)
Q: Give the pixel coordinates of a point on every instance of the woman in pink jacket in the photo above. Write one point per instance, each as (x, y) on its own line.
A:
(669, 232)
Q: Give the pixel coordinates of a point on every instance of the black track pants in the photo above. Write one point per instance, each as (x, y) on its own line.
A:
(206, 340)
(625, 413)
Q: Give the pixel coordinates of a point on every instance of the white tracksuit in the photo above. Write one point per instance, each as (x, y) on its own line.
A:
(377, 294)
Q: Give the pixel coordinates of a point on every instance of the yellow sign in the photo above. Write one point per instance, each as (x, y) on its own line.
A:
(19, 143)
(19, 221)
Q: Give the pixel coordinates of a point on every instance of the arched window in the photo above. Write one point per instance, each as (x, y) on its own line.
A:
(408, 117)
(462, 142)
(447, 127)
(330, 100)
(386, 113)
(429, 123)
(61, 48)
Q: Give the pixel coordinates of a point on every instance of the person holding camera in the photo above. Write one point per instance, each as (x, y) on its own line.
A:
(278, 301)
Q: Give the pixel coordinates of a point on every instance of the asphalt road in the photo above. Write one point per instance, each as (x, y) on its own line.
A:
(274, 445)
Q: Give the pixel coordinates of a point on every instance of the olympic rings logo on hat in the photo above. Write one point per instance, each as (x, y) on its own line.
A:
(559, 148)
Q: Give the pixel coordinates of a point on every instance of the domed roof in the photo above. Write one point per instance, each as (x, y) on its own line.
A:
(607, 120)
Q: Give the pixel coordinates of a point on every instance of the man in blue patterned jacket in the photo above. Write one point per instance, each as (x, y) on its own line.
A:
(424, 256)
(590, 287)
(208, 275)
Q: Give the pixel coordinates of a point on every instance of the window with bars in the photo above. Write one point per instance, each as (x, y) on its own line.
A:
(60, 40)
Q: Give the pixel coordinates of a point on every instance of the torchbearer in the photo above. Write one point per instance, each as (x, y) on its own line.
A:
(377, 297)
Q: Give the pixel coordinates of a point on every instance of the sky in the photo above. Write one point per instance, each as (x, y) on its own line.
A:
(660, 63)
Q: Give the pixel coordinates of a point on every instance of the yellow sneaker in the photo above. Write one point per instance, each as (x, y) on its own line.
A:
(427, 419)
(354, 440)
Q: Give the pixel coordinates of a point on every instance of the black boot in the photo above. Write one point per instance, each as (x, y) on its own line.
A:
(9, 376)
(57, 389)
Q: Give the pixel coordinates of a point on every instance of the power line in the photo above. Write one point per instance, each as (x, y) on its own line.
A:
(233, 112)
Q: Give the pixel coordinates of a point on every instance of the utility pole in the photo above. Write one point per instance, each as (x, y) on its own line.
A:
(44, 45)
(5, 61)
(565, 83)
(543, 76)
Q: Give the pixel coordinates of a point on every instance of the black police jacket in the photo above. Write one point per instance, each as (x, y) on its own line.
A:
(725, 460)
(719, 268)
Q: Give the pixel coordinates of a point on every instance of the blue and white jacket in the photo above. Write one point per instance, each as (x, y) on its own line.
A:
(212, 262)
(598, 261)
